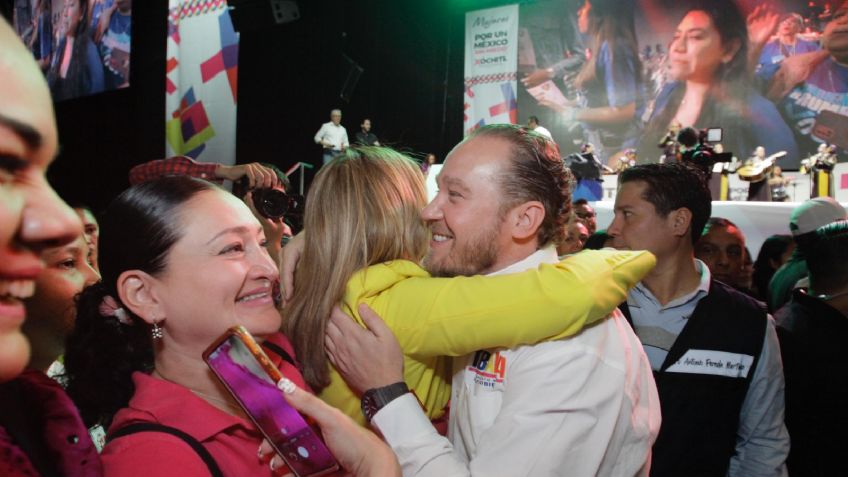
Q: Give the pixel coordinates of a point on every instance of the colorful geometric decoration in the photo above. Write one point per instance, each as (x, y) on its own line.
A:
(170, 66)
(174, 24)
(508, 105)
(192, 8)
(479, 124)
(225, 60)
(201, 81)
(189, 127)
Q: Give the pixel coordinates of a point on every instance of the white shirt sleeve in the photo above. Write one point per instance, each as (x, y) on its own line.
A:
(762, 441)
(320, 134)
(345, 143)
(559, 414)
(419, 448)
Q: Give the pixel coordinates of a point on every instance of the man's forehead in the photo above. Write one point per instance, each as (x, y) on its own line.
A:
(480, 151)
(630, 193)
(447, 179)
(727, 233)
(77, 246)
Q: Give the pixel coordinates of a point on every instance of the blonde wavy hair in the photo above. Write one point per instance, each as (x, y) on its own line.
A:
(363, 209)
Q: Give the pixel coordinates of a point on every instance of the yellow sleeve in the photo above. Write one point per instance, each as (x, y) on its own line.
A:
(456, 316)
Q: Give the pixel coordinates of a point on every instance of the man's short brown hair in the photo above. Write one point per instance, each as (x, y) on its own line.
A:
(538, 173)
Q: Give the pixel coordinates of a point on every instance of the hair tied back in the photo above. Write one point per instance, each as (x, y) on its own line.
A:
(109, 307)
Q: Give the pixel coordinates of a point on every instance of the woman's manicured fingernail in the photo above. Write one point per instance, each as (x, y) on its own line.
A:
(285, 385)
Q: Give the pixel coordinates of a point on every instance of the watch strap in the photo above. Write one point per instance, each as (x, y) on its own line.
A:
(375, 399)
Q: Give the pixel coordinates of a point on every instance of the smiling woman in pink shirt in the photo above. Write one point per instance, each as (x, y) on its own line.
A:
(182, 261)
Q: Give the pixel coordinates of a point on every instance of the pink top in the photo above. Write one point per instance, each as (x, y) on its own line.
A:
(232, 440)
(54, 419)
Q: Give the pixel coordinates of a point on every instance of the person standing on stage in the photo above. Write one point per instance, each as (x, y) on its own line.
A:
(533, 125)
(332, 136)
(759, 191)
(365, 137)
(821, 171)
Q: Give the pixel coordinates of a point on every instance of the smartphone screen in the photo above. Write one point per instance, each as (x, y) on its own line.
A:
(243, 367)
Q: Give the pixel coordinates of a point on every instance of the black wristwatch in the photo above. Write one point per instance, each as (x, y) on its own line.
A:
(375, 399)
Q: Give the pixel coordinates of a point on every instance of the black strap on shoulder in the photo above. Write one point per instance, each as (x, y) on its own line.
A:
(279, 351)
(625, 310)
(201, 451)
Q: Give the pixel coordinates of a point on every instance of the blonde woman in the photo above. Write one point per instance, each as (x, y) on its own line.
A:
(365, 242)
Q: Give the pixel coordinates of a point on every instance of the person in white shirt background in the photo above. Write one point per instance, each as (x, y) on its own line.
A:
(533, 125)
(332, 136)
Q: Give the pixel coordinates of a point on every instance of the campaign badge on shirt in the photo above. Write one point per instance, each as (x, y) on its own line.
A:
(486, 371)
(777, 59)
(718, 363)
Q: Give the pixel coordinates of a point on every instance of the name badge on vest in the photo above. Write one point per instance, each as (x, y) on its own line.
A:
(718, 363)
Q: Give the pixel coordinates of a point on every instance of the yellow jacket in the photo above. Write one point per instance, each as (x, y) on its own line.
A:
(436, 318)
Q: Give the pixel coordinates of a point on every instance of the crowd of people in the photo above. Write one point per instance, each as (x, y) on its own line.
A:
(492, 330)
(764, 78)
(82, 46)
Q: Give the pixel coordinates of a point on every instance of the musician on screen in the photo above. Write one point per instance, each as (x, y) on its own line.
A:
(669, 144)
(759, 189)
(778, 183)
(820, 168)
(627, 160)
(720, 177)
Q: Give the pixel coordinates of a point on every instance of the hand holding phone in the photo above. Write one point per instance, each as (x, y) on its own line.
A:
(359, 451)
(249, 375)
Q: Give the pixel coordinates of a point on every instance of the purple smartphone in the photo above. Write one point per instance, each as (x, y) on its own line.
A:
(241, 365)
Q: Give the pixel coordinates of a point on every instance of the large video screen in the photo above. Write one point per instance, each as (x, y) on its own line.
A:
(82, 46)
(622, 74)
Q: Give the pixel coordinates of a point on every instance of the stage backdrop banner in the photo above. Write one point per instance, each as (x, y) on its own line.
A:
(201, 81)
(491, 52)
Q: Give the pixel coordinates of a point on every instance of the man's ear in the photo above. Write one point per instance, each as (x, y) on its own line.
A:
(137, 292)
(526, 219)
(681, 221)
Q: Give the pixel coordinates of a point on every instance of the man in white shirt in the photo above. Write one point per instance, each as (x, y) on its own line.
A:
(581, 406)
(332, 136)
(533, 125)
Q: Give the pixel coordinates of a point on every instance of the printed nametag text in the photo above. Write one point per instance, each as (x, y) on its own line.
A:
(719, 363)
